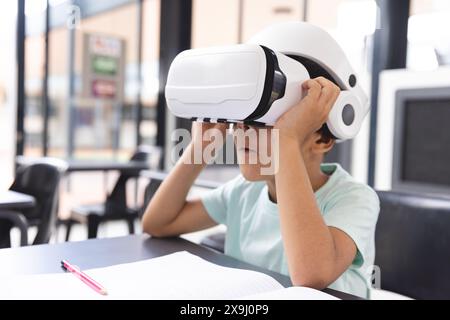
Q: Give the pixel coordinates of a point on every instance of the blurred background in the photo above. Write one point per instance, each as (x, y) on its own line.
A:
(83, 80)
(55, 48)
(77, 103)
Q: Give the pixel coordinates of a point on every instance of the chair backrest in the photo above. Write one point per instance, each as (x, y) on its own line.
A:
(40, 180)
(60, 164)
(151, 154)
(413, 245)
(149, 192)
(117, 199)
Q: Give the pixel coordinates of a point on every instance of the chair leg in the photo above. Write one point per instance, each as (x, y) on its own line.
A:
(5, 240)
(93, 223)
(69, 225)
(130, 226)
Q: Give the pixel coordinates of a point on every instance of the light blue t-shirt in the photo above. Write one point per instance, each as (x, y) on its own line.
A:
(253, 225)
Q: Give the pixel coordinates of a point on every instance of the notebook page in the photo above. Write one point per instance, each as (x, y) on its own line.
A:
(292, 293)
(176, 276)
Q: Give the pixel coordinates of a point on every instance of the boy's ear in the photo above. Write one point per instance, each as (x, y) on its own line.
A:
(320, 145)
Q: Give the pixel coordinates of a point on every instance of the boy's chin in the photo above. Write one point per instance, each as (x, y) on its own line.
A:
(252, 172)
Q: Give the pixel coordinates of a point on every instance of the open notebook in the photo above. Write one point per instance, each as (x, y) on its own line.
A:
(179, 275)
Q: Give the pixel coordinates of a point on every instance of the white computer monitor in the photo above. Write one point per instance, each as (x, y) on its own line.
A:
(413, 134)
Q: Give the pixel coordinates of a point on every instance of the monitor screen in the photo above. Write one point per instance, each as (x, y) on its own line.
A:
(426, 141)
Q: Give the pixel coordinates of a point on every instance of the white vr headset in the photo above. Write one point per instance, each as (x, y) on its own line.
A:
(255, 83)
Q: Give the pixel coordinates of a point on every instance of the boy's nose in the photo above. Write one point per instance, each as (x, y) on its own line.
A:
(243, 126)
(246, 127)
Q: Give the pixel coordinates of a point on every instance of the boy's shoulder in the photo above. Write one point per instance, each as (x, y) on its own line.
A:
(341, 185)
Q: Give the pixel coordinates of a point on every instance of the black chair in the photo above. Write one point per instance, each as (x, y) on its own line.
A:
(412, 245)
(115, 207)
(215, 241)
(149, 192)
(8, 220)
(40, 180)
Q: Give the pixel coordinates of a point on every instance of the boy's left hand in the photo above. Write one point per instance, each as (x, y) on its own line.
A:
(311, 112)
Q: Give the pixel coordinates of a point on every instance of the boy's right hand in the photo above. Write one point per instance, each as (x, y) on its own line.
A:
(203, 132)
(311, 112)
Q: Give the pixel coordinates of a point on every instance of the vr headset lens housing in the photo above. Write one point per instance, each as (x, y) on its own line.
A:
(256, 83)
(230, 84)
(226, 84)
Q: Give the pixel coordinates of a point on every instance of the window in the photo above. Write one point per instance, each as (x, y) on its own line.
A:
(7, 91)
(429, 34)
(100, 121)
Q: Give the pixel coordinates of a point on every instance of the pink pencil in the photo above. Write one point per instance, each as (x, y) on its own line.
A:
(83, 277)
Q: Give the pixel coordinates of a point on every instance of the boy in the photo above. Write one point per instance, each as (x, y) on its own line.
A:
(308, 220)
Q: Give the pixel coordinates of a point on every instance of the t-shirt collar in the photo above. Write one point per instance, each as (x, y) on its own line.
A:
(331, 169)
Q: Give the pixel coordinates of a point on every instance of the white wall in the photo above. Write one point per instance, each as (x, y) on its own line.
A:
(8, 83)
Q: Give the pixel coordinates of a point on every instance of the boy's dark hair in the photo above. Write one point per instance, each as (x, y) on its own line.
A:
(325, 134)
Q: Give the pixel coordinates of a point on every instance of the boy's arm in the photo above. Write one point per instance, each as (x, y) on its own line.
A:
(317, 254)
(169, 213)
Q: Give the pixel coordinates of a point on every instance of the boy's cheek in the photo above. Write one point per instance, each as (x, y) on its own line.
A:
(258, 171)
(251, 172)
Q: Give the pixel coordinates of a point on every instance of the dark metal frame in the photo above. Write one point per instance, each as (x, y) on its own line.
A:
(71, 93)
(20, 130)
(398, 183)
(140, 20)
(389, 52)
(45, 98)
(175, 29)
